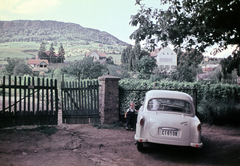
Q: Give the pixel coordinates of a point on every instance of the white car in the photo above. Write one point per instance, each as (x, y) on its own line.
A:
(168, 117)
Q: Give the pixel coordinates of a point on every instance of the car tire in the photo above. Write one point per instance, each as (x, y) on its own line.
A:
(139, 146)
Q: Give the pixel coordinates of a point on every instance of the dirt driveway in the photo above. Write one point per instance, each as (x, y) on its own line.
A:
(85, 145)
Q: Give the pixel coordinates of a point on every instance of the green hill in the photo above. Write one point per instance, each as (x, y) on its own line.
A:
(38, 31)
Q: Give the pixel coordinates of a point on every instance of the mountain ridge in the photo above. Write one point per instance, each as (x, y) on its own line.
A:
(37, 30)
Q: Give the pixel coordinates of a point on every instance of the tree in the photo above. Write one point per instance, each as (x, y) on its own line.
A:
(42, 52)
(205, 22)
(11, 64)
(52, 52)
(187, 65)
(193, 57)
(131, 55)
(191, 24)
(126, 57)
(231, 63)
(86, 68)
(61, 53)
(22, 69)
(42, 47)
(145, 66)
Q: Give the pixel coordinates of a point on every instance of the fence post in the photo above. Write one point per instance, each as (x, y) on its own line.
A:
(108, 99)
(3, 97)
(195, 100)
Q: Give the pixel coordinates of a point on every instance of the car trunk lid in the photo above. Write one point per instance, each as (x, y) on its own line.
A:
(169, 126)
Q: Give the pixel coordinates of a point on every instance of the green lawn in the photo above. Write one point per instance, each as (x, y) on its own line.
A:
(16, 50)
(116, 58)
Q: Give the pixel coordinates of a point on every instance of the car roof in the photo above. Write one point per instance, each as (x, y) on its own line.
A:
(168, 94)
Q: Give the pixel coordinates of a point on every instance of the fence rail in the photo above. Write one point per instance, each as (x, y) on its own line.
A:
(28, 101)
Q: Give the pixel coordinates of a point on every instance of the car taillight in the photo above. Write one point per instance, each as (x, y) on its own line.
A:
(199, 127)
(141, 122)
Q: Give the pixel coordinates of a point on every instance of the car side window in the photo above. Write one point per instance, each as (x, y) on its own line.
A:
(173, 105)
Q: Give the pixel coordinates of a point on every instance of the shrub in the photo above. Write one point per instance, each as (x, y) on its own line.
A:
(219, 113)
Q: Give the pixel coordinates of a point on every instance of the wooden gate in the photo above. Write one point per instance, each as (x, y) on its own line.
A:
(28, 101)
(80, 102)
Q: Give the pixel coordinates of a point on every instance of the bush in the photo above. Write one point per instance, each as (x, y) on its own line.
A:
(219, 113)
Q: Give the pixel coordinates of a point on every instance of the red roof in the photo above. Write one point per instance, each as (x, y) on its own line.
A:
(100, 54)
(36, 61)
(155, 52)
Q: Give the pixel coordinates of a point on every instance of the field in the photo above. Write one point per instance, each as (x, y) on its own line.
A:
(74, 50)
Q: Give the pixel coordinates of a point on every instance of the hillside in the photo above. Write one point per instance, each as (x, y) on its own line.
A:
(38, 31)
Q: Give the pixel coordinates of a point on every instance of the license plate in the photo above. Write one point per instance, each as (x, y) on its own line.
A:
(169, 133)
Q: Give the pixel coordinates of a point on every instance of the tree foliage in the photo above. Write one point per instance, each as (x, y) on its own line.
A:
(131, 55)
(192, 56)
(61, 53)
(145, 66)
(22, 69)
(231, 63)
(85, 68)
(16, 66)
(11, 63)
(126, 57)
(42, 47)
(187, 68)
(198, 23)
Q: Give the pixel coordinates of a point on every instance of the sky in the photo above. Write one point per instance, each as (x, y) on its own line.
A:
(112, 16)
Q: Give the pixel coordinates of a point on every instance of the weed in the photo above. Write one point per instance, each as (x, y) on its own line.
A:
(115, 126)
(46, 130)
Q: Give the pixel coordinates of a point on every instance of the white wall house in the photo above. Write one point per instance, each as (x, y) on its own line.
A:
(38, 64)
(97, 56)
(166, 58)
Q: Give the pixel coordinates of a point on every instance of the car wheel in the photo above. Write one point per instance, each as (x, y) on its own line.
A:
(139, 146)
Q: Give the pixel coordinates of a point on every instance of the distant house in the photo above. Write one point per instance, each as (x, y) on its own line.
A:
(54, 55)
(38, 64)
(209, 67)
(204, 76)
(97, 56)
(166, 58)
(48, 52)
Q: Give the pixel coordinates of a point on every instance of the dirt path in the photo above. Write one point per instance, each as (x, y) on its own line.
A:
(86, 146)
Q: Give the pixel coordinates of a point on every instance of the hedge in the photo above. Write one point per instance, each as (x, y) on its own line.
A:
(216, 103)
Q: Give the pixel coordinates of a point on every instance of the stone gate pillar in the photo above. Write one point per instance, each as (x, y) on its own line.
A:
(108, 99)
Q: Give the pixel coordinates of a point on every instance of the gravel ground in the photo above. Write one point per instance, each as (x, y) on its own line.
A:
(86, 145)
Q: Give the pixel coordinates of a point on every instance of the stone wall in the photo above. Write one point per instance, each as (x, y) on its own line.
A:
(109, 99)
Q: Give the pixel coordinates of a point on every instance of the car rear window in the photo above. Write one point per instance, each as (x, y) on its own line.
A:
(172, 105)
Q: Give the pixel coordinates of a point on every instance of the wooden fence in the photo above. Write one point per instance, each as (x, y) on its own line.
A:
(80, 102)
(28, 101)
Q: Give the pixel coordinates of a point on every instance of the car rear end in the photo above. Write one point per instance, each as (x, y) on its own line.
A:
(168, 119)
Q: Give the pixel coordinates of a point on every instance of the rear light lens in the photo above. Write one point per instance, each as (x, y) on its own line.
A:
(141, 122)
(199, 127)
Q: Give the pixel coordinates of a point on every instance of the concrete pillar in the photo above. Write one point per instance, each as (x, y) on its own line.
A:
(108, 99)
